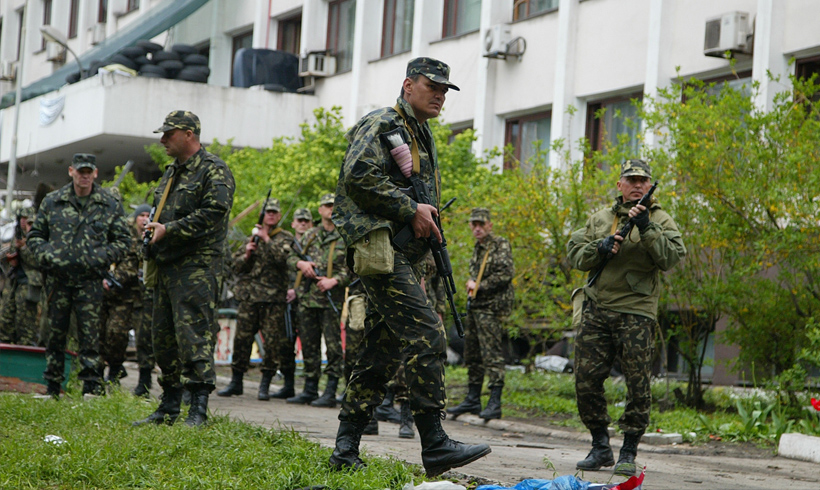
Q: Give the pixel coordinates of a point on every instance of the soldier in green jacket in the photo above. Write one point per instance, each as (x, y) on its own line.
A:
(79, 232)
(21, 292)
(491, 291)
(370, 208)
(620, 311)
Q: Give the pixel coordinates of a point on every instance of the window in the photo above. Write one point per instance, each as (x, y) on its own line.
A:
(528, 8)
(340, 23)
(397, 35)
(73, 18)
(46, 19)
(461, 16)
(102, 12)
(241, 41)
(20, 15)
(804, 69)
(611, 120)
(132, 5)
(524, 133)
(290, 35)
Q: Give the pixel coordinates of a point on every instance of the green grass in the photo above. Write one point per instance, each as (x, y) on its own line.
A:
(102, 450)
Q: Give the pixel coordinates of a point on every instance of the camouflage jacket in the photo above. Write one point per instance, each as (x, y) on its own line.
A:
(196, 212)
(127, 272)
(315, 246)
(263, 277)
(26, 271)
(434, 287)
(630, 283)
(495, 292)
(368, 193)
(292, 274)
(76, 243)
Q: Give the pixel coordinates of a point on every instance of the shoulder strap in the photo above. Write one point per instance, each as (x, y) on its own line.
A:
(164, 197)
(481, 271)
(414, 152)
(329, 272)
(614, 225)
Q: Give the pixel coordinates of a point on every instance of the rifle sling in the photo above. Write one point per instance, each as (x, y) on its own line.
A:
(481, 272)
(414, 152)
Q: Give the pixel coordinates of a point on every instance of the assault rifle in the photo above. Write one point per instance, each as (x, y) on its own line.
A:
(307, 258)
(109, 278)
(261, 217)
(289, 322)
(624, 232)
(149, 233)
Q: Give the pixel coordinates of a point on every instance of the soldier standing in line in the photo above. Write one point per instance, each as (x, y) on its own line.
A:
(21, 292)
(491, 291)
(401, 324)
(261, 290)
(194, 200)
(143, 308)
(322, 262)
(620, 311)
(79, 232)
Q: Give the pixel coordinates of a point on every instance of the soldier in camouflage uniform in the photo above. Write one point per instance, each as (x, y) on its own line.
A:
(143, 308)
(492, 298)
(620, 311)
(261, 290)
(21, 292)
(187, 245)
(400, 324)
(79, 232)
(322, 262)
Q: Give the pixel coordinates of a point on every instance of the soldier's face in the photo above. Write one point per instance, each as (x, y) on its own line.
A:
(83, 178)
(301, 225)
(425, 96)
(633, 187)
(325, 211)
(24, 224)
(481, 229)
(175, 142)
(272, 217)
(140, 221)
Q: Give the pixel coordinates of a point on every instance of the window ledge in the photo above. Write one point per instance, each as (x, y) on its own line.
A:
(535, 16)
(457, 36)
(389, 56)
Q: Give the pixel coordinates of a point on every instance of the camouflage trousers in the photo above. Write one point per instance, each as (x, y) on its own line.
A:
(269, 320)
(115, 322)
(354, 331)
(84, 299)
(142, 329)
(400, 324)
(313, 324)
(603, 336)
(18, 316)
(184, 322)
(483, 347)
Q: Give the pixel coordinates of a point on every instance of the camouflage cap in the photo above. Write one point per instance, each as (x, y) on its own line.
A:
(635, 167)
(84, 160)
(273, 205)
(435, 70)
(327, 199)
(28, 212)
(180, 120)
(480, 214)
(303, 213)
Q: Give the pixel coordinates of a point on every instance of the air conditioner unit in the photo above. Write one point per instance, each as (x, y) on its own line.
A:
(97, 33)
(496, 39)
(8, 70)
(729, 32)
(317, 64)
(55, 52)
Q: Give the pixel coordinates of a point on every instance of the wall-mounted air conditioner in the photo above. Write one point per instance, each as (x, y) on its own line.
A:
(496, 39)
(8, 70)
(55, 52)
(317, 64)
(731, 32)
(97, 33)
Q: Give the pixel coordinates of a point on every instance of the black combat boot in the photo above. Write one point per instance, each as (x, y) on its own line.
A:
(493, 408)
(168, 410)
(372, 427)
(406, 429)
(144, 382)
(53, 389)
(115, 374)
(264, 386)
(235, 386)
(310, 393)
(626, 459)
(287, 391)
(386, 412)
(328, 398)
(601, 454)
(346, 453)
(198, 412)
(471, 404)
(91, 387)
(439, 453)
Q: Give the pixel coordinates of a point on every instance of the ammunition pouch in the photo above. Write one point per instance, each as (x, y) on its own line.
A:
(373, 253)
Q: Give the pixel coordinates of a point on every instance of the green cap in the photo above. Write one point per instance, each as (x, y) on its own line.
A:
(84, 160)
(435, 70)
(480, 214)
(635, 167)
(303, 213)
(184, 120)
(327, 199)
(273, 205)
(28, 212)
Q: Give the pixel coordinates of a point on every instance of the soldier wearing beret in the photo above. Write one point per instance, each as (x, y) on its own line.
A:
(401, 323)
(21, 292)
(261, 290)
(187, 246)
(79, 232)
(620, 311)
(491, 300)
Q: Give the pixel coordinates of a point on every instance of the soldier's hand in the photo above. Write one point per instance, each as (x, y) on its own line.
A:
(290, 296)
(257, 231)
(307, 268)
(326, 283)
(423, 223)
(640, 216)
(250, 247)
(105, 285)
(470, 285)
(159, 231)
(610, 245)
(20, 243)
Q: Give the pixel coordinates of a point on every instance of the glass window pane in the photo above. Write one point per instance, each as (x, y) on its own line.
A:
(404, 26)
(617, 122)
(469, 16)
(533, 131)
(344, 51)
(387, 27)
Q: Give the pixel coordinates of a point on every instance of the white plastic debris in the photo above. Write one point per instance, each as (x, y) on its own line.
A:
(434, 485)
(54, 439)
(551, 363)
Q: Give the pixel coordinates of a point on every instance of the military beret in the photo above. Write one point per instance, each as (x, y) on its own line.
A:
(184, 120)
(435, 70)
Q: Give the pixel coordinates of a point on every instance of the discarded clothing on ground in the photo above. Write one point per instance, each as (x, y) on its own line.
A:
(569, 482)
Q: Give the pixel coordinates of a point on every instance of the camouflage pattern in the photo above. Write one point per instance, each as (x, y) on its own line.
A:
(434, 287)
(435, 70)
(273, 205)
(496, 292)
(327, 199)
(479, 214)
(269, 320)
(314, 323)
(354, 326)
(484, 347)
(190, 258)
(635, 167)
(84, 160)
(118, 305)
(142, 326)
(316, 245)
(368, 194)
(73, 244)
(303, 213)
(19, 318)
(603, 336)
(184, 120)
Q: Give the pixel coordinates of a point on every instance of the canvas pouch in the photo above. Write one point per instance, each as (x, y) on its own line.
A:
(373, 253)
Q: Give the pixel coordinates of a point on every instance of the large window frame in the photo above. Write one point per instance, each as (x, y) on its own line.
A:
(239, 41)
(596, 130)
(456, 21)
(401, 31)
(102, 12)
(47, 9)
(132, 5)
(289, 34)
(524, 9)
(73, 19)
(514, 135)
(804, 69)
(341, 20)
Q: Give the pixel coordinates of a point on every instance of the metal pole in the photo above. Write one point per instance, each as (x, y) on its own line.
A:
(18, 94)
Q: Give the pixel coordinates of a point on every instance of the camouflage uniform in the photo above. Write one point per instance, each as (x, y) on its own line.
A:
(74, 243)
(354, 327)
(189, 259)
(19, 321)
(116, 316)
